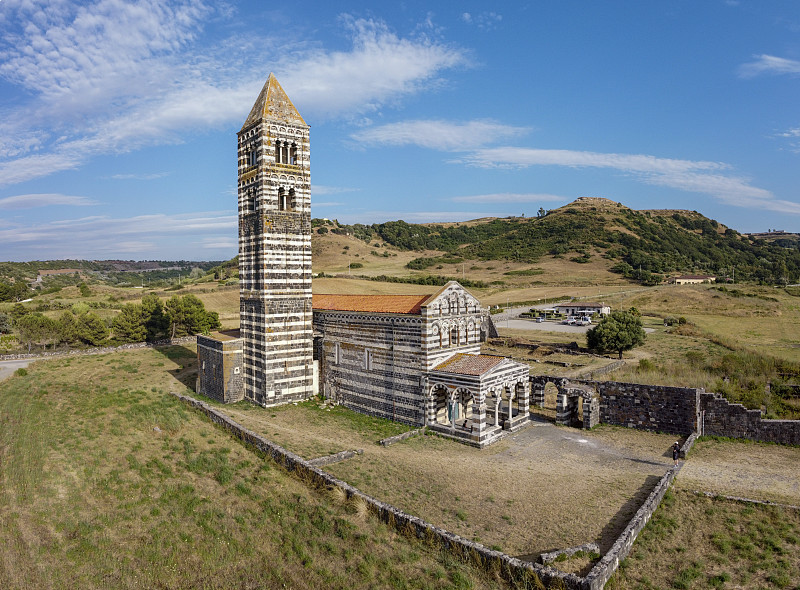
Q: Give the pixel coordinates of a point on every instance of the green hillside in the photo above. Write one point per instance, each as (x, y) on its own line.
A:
(642, 245)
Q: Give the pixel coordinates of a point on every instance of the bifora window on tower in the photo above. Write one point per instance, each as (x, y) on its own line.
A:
(285, 152)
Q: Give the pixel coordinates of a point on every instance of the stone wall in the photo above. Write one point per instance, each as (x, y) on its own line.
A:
(497, 562)
(372, 363)
(99, 350)
(648, 407)
(220, 369)
(719, 417)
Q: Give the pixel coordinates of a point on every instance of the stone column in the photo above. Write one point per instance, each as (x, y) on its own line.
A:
(537, 394)
(523, 401)
(478, 416)
(510, 407)
(497, 400)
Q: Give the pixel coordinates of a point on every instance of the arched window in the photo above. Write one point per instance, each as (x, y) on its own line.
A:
(277, 151)
(281, 199)
(293, 155)
(454, 337)
(292, 200)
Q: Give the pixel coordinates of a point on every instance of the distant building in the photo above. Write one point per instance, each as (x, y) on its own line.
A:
(693, 279)
(578, 308)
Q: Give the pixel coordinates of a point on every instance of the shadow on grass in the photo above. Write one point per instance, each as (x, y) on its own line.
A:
(185, 358)
(623, 516)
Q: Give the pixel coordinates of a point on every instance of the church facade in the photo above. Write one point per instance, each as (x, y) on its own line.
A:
(410, 358)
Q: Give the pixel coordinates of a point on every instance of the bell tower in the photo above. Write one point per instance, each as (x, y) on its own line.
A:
(274, 188)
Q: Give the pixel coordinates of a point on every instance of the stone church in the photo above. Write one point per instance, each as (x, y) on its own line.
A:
(410, 358)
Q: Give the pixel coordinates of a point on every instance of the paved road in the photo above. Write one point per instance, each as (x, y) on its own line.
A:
(8, 367)
(514, 322)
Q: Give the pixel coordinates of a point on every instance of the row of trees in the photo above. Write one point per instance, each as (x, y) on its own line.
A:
(151, 320)
(148, 321)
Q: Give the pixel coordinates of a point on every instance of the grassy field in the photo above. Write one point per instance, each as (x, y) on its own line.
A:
(109, 482)
(694, 542)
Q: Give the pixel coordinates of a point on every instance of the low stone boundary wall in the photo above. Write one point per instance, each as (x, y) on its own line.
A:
(745, 500)
(608, 564)
(569, 552)
(591, 374)
(508, 567)
(335, 458)
(402, 436)
(719, 417)
(98, 350)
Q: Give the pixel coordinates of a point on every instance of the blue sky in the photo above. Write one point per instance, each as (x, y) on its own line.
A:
(118, 119)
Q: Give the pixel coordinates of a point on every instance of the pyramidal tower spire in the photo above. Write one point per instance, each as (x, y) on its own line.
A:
(274, 191)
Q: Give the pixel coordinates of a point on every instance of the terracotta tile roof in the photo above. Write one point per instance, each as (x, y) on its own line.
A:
(585, 305)
(469, 364)
(409, 304)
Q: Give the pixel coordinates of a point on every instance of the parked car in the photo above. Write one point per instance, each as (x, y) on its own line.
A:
(539, 319)
(570, 321)
(584, 322)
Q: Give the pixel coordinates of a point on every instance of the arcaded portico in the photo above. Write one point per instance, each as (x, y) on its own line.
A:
(576, 403)
(476, 397)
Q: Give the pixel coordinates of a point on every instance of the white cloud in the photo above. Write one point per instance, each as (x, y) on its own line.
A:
(152, 176)
(102, 236)
(438, 134)
(769, 64)
(320, 189)
(510, 198)
(380, 68)
(687, 175)
(43, 200)
(411, 216)
(216, 242)
(110, 77)
(485, 20)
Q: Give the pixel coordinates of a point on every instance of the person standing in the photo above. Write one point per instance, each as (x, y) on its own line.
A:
(676, 451)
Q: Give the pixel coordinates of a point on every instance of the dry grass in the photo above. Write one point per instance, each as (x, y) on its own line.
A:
(745, 469)
(491, 495)
(94, 496)
(695, 542)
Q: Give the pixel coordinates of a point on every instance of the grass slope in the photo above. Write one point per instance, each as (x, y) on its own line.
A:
(109, 482)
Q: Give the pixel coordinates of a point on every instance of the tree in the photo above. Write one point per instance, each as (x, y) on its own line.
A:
(620, 331)
(91, 329)
(188, 315)
(35, 328)
(5, 323)
(155, 320)
(68, 328)
(130, 325)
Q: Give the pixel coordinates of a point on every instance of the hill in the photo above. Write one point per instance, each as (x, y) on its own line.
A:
(641, 245)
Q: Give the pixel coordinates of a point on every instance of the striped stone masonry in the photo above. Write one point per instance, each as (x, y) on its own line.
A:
(275, 250)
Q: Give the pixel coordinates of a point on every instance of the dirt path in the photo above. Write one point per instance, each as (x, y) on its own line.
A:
(7, 368)
(744, 469)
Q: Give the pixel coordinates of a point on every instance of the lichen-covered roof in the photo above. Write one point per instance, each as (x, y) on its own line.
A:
(407, 304)
(469, 364)
(273, 103)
